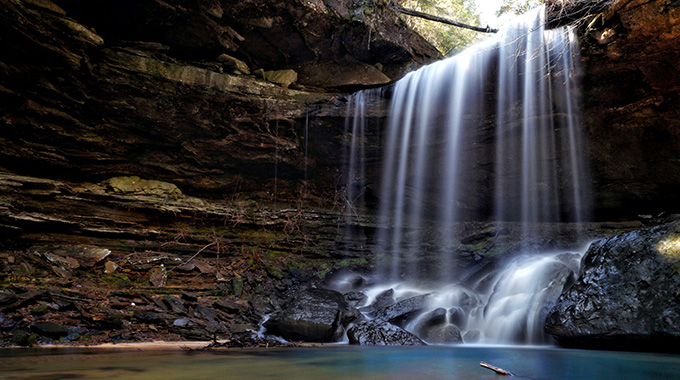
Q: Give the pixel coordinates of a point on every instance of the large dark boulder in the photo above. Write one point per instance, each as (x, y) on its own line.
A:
(313, 315)
(403, 311)
(433, 328)
(378, 332)
(627, 296)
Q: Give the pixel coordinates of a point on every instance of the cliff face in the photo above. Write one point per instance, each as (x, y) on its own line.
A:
(632, 105)
(148, 132)
(180, 134)
(98, 89)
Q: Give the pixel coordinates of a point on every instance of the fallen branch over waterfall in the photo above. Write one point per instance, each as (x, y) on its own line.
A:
(498, 370)
(443, 20)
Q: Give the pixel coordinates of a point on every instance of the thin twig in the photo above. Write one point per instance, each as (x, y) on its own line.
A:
(193, 257)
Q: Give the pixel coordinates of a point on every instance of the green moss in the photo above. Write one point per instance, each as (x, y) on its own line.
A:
(117, 280)
(40, 309)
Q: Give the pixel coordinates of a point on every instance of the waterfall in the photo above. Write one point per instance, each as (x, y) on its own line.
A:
(493, 133)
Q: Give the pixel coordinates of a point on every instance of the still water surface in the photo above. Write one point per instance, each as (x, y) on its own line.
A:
(336, 362)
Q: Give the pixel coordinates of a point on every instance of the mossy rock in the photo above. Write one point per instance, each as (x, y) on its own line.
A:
(137, 186)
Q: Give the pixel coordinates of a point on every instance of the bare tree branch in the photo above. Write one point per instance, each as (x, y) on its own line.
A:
(430, 17)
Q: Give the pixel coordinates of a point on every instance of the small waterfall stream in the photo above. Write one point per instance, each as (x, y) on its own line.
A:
(493, 133)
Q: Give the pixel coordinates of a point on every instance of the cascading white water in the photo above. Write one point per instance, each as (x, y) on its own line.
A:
(533, 171)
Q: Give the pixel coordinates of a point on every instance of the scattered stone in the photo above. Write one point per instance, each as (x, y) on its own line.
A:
(174, 305)
(181, 322)
(158, 276)
(7, 298)
(74, 333)
(6, 323)
(24, 339)
(110, 267)
(381, 301)
(281, 77)
(227, 305)
(237, 286)
(50, 330)
(137, 186)
(153, 317)
(233, 65)
(378, 332)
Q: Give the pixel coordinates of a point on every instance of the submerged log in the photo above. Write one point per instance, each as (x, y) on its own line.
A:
(498, 370)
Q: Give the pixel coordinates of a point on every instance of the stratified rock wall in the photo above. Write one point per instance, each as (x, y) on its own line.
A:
(632, 105)
(160, 89)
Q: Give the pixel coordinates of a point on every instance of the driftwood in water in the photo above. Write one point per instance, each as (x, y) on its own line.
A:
(443, 20)
(498, 370)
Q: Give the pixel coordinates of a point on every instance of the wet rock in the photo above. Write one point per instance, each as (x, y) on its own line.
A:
(227, 305)
(74, 333)
(314, 315)
(403, 311)
(24, 339)
(355, 298)
(443, 334)
(378, 332)
(433, 328)
(381, 301)
(627, 295)
(50, 330)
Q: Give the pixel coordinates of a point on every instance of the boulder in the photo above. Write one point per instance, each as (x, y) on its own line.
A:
(313, 315)
(403, 311)
(378, 332)
(627, 295)
(138, 186)
(433, 328)
(281, 77)
(50, 330)
(233, 65)
(355, 298)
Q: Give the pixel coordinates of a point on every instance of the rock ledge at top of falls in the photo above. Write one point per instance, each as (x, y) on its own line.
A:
(627, 295)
